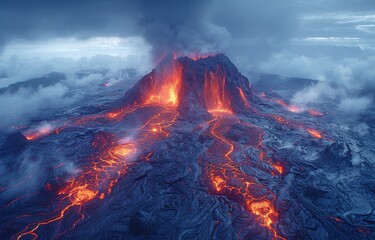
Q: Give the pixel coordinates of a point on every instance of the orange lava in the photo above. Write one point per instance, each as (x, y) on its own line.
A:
(244, 99)
(226, 176)
(314, 133)
(265, 211)
(279, 168)
(218, 182)
(81, 195)
(38, 133)
(113, 115)
(314, 113)
(111, 161)
(291, 108)
(123, 150)
(214, 95)
(165, 86)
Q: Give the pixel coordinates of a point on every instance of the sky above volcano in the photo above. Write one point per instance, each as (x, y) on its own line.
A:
(329, 40)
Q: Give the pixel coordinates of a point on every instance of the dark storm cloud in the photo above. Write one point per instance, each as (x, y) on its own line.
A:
(258, 28)
(39, 19)
(250, 32)
(168, 25)
(182, 26)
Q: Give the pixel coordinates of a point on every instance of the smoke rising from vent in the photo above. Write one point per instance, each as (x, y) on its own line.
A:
(168, 25)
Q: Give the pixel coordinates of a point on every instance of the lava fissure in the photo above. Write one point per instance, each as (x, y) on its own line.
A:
(222, 171)
(114, 156)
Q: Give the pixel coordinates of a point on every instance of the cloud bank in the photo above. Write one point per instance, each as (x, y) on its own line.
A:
(168, 25)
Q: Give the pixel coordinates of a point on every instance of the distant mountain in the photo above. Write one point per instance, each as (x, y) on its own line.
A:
(264, 82)
(47, 80)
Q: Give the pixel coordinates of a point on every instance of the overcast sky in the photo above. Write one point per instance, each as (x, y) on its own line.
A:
(330, 40)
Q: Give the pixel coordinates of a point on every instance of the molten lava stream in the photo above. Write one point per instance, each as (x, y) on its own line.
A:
(165, 86)
(288, 122)
(112, 116)
(214, 94)
(112, 161)
(105, 169)
(94, 181)
(226, 176)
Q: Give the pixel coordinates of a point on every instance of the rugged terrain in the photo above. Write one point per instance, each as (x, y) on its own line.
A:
(192, 151)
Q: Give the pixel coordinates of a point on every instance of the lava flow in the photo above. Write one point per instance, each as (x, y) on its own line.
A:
(223, 171)
(214, 93)
(113, 156)
(226, 175)
(40, 131)
(291, 107)
(142, 154)
(165, 86)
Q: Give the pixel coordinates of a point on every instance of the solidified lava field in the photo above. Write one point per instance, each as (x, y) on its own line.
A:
(191, 151)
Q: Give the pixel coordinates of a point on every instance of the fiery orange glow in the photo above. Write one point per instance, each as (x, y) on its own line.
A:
(291, 108)
(123, 150)
(218, 182)
(112, 158)
(265, 211)
(107, 167)
(278, 168)
(244, 99)
(100, 177)
(288, 122)
(226, 176)
(39, 132)
(314, 113)
(81, 194)
(214, 94)
(113, 115)
(314, 133)
(166, 86)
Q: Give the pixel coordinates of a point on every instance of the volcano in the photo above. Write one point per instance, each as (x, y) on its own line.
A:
(192, 151)
(194, 86)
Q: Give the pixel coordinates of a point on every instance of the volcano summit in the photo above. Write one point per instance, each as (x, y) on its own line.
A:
(190, 152)
(205, 84)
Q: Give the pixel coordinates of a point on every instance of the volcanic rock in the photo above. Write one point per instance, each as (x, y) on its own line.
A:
(14, 142)
(192, 77)
(337, 155)
(141, 223)
(191, 153)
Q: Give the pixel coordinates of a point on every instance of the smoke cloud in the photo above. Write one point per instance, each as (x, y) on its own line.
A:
(18, 107)
(169, 25)
(293, 38)
(352, 72)
(355, 105)
(15, 108)
(25, 174)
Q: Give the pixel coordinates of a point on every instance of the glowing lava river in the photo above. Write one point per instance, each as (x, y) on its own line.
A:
(190, 152)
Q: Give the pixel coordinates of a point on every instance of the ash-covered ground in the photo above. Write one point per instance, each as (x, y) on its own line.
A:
(192, 151)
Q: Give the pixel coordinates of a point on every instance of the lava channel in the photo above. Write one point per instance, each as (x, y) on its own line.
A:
(227, 178)
(222, 171)
(114, 155)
